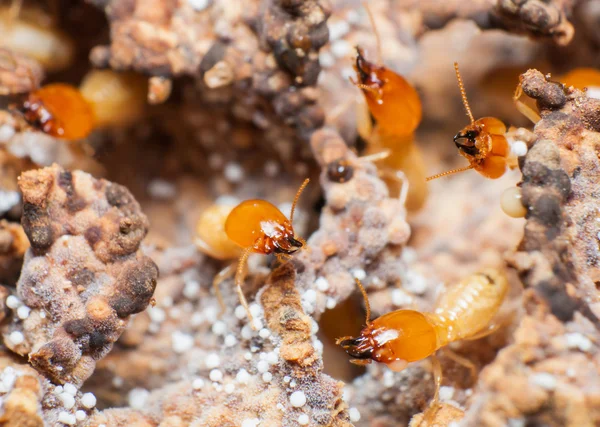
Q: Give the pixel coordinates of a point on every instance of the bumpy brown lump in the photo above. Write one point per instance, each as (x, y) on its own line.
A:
(84, 274)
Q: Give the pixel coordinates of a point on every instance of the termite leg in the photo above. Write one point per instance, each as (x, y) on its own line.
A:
(463, 361)
(239, 281)
(526, 110)
(434, 405)
(283, 258)
(382, 155)
(221, 276)
(399, 176)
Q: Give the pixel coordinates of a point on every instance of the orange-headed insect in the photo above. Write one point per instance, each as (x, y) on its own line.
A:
(465, 311)
(396, 107)
(483, 142)
(105, 98)
(253, 226)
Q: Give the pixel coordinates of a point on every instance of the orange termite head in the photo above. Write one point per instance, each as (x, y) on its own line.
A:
(59, 110)
(394, 339)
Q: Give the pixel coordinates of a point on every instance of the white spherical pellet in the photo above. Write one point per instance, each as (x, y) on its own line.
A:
(446, 393)
(199, 5)
(242, 377)
(219, 328)
(354, 415)
(246, 332)
(322, 284)
(229, 388)
(70, 388)
(256, 310)
(298, 399)
(272, 358)
(303, 419)
(157, 314)
(579, 341)
(23, 312)
(80, 415)
(181, 342)
(250, 422)
(16, 338)
(230, 340)
(88, 400)
(257, 323)
(212, 360)
(137, 398)
(12, 302)
(197, 384)
(359, 273)
(330, 303)
(264, 333)
(239, 312)
(545, 380)
(191, 289)
(66, 418)
(233, 172)
(518, 148)
(267, 377)
(67, 400)
(58, 389)
(262, 366)
(215, 375)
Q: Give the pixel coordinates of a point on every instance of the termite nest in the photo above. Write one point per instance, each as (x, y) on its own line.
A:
(277, 214)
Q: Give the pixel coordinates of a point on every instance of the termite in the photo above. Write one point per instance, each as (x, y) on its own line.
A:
(396, 107)
(464, 312)
(105, 98)
(253, 226)
(483, 142)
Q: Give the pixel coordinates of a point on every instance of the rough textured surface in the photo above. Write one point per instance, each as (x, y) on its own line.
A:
(83, 275)
(18, 74)
(238, 94)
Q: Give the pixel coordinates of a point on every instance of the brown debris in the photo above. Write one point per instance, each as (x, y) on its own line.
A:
(170, 40)
(18, 73)
(252, 380)
(559, 253)
(13, 244)
(536, 18)
(92, 229)
(541, 377)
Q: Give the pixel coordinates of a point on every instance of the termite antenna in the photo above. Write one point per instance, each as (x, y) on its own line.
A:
(450, 172)
(300, 190)
(366, 297)
(377, 37)
(463, 93)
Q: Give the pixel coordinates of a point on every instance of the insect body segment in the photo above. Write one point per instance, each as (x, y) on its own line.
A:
(105, 98)
(405, 336)
(393, 102)
(396, 107)
(258, 226)
(483, 143)
(59, 110)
